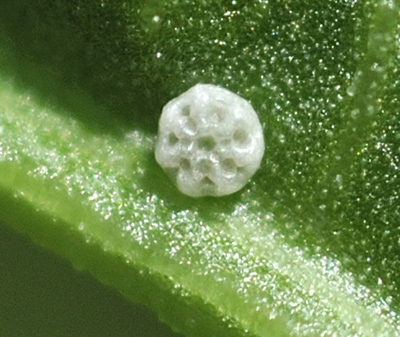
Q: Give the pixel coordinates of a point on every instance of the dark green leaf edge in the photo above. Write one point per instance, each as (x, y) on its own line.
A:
(134, 281)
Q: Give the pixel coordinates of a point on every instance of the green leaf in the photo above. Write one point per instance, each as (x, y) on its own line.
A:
(42, 295)
(310, 247)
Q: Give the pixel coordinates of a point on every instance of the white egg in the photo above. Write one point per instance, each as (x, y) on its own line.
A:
(210, 141)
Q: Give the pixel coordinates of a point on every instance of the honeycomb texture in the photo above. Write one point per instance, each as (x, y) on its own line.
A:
(210, 141)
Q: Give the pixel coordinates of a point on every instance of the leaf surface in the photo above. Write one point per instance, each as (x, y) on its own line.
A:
(310, 247)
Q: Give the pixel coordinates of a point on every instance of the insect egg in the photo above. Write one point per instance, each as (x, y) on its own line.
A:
(210, 141)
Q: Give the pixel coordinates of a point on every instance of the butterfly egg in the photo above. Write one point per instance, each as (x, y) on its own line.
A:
(210, 141)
